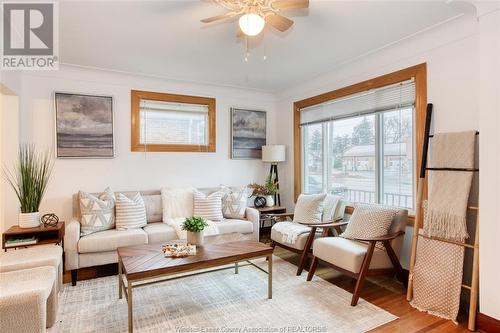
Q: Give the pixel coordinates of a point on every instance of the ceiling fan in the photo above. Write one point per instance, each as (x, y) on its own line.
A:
(255, 14)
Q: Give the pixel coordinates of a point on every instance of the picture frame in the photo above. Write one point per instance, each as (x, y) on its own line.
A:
(84, 125)
(248, 133)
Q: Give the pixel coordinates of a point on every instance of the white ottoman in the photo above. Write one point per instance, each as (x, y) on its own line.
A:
(28, 301)
(31, 257)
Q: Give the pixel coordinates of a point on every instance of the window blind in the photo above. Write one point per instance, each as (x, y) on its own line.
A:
(382, 99)
(152, 105)
(173, 123)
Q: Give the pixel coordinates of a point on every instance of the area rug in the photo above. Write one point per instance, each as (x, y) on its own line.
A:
(219, 301)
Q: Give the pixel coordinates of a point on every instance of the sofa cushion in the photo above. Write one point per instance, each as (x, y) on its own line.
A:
(348, 254)
(153, 205)
(228, 226)
(160, 232)
(177, 202)
(110, 240)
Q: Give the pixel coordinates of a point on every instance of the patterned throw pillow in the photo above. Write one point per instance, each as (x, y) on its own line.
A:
(369, 221)
(309, 208)
(209, 207)
(97, 212)
(234, 203)
(130, 212)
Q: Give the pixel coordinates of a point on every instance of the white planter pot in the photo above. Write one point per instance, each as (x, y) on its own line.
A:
(195, 238)
(28, 220)
(269, 200)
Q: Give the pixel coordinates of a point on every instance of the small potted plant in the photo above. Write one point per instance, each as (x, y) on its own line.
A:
(266, 192)
(29, 179)
(194, 226)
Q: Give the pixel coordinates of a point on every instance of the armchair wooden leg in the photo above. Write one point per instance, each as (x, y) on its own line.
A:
(362, 273)
(305, 252)
(395, 262)
(312, 269)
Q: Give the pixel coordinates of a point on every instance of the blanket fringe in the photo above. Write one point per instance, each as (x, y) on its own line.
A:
(446, 225)
(434, 313)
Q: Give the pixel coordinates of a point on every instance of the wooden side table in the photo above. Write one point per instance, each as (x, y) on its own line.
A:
(45, 235)
(265, 211)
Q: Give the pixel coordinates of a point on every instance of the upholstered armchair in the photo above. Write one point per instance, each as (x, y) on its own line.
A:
(305, 232)
(362, 257)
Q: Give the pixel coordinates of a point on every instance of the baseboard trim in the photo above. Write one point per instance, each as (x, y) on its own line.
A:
(487, 324)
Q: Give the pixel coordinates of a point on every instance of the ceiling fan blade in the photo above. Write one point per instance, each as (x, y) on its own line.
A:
(279, 22)
(218, 17)
(290, 4)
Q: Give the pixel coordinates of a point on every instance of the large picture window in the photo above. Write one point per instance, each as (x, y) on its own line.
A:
(361, 145)
(167, 122)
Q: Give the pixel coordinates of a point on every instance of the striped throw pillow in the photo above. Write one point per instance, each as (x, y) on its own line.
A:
(130, 213)
(209, 207)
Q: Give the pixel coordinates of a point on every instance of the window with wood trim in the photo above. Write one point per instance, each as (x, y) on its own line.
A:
(172, 123)
(363, 142)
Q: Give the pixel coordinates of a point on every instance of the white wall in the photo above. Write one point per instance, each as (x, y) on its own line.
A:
(489, 271)
(128, 170)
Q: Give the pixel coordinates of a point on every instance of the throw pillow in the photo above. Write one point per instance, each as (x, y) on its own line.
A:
(309, 208)
(130, 213)
(369, 221)
(234, 203)
(177, 202)
(209, 207)
(97, 212)
(333, 208)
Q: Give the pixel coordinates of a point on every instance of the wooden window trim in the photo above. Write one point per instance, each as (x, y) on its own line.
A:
(137, 95)
(418, 72)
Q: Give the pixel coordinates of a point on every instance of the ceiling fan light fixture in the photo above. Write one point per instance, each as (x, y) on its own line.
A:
(251, 24)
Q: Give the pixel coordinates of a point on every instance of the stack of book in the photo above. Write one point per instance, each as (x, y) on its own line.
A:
(20, 241)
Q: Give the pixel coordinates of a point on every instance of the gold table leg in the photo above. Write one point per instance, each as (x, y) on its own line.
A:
(130, 312)
(270, 276)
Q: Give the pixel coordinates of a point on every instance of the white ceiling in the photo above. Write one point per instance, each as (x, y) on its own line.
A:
(166, 38)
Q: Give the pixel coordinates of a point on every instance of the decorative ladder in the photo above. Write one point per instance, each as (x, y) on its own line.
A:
(474, 286)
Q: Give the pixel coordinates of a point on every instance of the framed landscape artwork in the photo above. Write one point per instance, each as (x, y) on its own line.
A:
(248, 133)
(84, 126)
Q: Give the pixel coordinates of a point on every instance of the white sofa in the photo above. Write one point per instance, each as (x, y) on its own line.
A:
(100, 248)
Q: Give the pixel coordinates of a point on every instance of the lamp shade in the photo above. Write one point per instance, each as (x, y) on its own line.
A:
(274, 153)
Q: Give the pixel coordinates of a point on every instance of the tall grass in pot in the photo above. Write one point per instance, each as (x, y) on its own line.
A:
(29, 179)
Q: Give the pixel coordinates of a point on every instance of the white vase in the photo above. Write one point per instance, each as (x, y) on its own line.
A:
(28, 220)
(269, 201)
(195, 238)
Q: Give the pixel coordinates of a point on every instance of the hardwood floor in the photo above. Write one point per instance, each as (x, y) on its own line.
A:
(388, 294)
(384, 292)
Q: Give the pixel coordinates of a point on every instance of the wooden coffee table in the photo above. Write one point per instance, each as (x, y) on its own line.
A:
(145, 264)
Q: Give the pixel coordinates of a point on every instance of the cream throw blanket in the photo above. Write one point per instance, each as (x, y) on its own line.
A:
(449, 190)
(437, 275)
(176, 223)
(290, 231)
